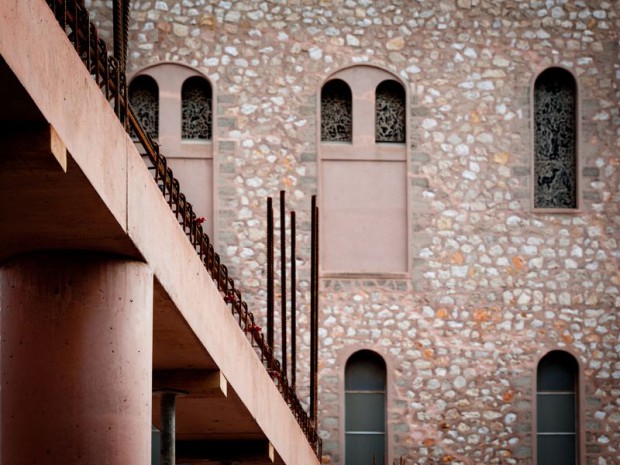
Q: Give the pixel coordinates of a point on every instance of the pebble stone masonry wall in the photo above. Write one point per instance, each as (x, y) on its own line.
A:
(493, 284)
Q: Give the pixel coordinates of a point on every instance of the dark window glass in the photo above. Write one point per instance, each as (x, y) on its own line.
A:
(144, 101)
(197, 113)
(557, 409)
(555, 136)
(365, 385)
(365, 371)
(336, 112)
(556, 413)
(365, 411)
(557, 372)
(557, 450)
(360, 448)
(390, 112)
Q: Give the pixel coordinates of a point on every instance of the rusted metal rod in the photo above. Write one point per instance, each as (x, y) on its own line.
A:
(314, 313)
(120, 24)
(283, 280)
(126, 8)
(312, 297)
(293, 306)
(270, 300)
(316, 317)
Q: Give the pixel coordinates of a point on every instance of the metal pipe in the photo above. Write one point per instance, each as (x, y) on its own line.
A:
(270, 279)
(120, 20)
(126, 8)
(316, 317)
(313, 296)
(293, 305)
(283, 280)
(117, 26)
(167, 402)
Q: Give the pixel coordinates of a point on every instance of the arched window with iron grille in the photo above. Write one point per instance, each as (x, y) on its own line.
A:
(197, 109)
(144, 101)
(390, 112)
(555, 140)
(336, 112)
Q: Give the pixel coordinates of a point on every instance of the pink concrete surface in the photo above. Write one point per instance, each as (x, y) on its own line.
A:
(43, 60)
(76, 360)
(365, 209)
(39, 53)
(181, 273)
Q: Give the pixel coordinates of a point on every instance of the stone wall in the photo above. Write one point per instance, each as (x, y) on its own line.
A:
(493, 284)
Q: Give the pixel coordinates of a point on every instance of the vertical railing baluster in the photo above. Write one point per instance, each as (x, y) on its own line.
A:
(62, 15)
(76, 27)
(106, 75)
(96, 52)
(117, 89)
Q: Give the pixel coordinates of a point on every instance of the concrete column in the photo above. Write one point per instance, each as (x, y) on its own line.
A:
(76, 360)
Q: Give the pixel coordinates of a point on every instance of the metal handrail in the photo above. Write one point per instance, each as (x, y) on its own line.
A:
(107, 73)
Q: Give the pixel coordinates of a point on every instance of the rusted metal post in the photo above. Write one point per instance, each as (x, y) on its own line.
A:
(270, 280)
(314, 313)
(312, 342)
(120, 24)
(126, 8)
(316, 317)
(283, 280)
(117, 27)
(293, 305)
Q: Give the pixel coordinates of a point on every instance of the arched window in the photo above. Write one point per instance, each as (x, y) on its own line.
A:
(390, 112)
(555, 140)
(365, 419)
(197, 114)
(336, 112)
(144, 100)
(557, 409)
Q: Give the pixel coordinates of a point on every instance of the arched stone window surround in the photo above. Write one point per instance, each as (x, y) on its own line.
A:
(568, 73)
(144, 100)
(364, 163)
(192, 160)
(342, 356)
(196, 109)
(580, 406)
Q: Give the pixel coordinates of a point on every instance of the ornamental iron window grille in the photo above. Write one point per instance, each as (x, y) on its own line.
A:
(390, 112)
(197, 109)
(555, 140)
(336, 112)
(556, 409)
(144, 100)
(365, 409)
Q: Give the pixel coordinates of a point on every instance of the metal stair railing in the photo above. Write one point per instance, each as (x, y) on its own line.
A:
(107, 74)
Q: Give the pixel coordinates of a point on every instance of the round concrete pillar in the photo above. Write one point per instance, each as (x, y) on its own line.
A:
(76, 360)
